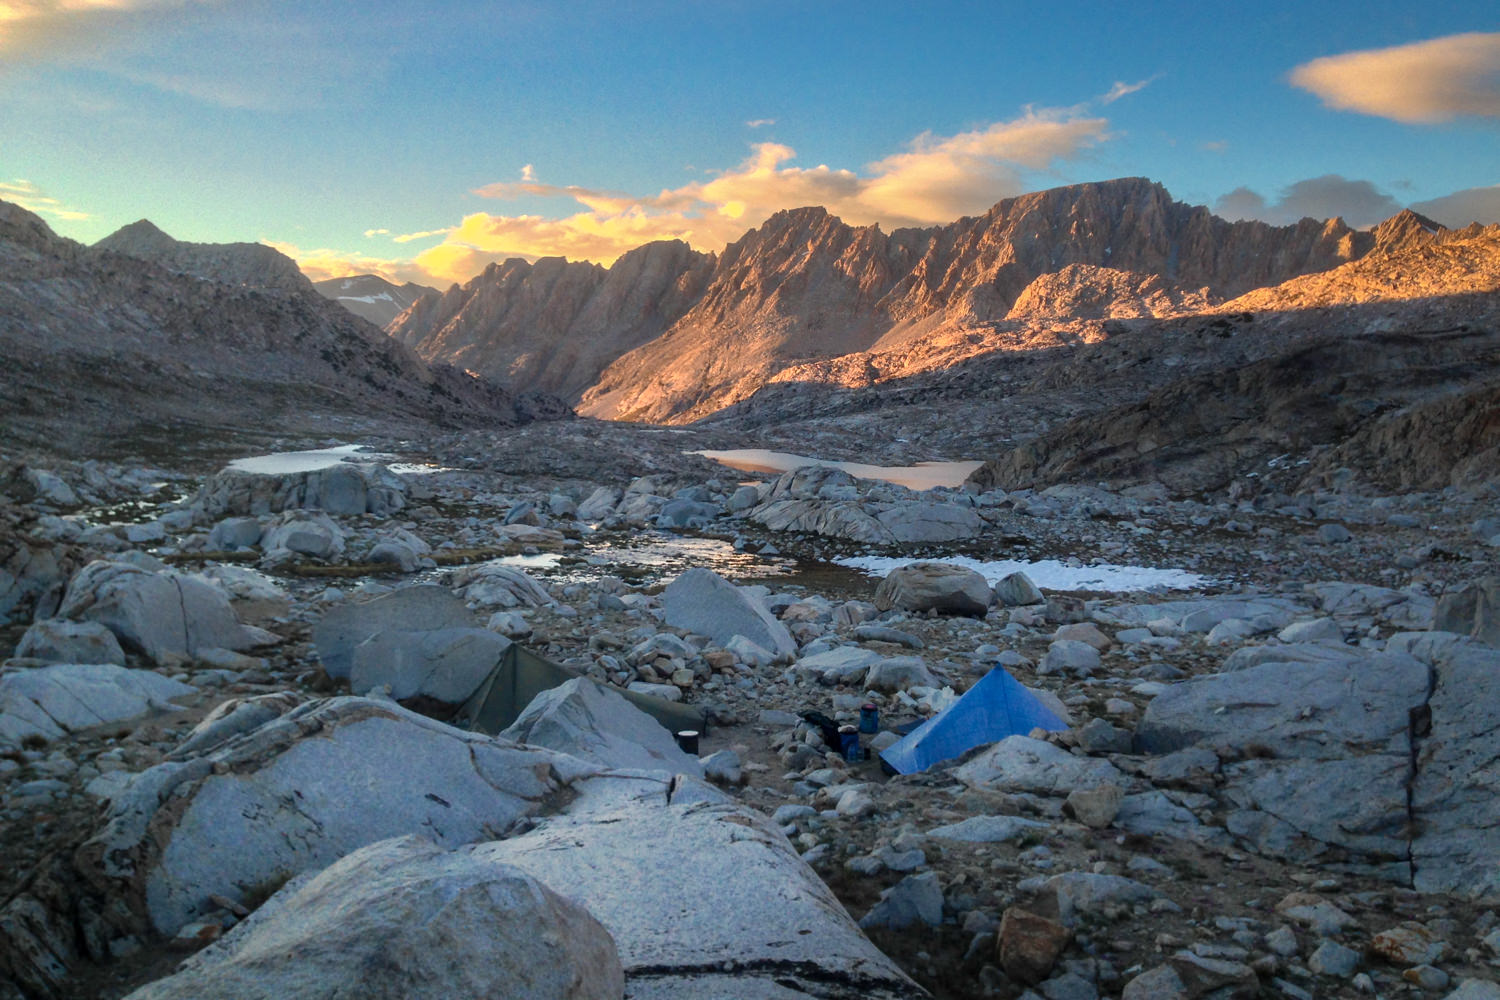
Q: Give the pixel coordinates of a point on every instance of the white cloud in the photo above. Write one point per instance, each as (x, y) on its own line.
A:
(33, 199)
(760, 122)
(371, 233)
(1358, 202)
(1423, 82)
(1456, 210)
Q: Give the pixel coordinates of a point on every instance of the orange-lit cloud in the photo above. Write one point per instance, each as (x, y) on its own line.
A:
(31, 198)
(935, 180)
(1421, 83)
(31, 25)
(328, 263)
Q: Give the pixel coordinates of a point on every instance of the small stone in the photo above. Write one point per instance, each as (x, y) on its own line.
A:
(1334, 534)
(1475, 989)
(1029, 944)
(1292, 990)
(1016, 590)
(197, 934)
(1069, 986)
(1095, 807)
(723, 768)
(1071, 656)
(1409, 944)
(1283, 941)
(1333, 959)
(1428, 977)
(1160, 983)
(915, 898)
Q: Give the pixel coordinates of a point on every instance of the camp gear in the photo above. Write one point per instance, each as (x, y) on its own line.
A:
(521, 675)
(996, 707)
(829, 729)
(869, 718)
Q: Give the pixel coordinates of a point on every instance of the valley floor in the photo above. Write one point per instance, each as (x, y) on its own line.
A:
(1258, 843)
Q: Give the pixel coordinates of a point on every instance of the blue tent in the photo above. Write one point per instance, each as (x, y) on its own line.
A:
(997, 707)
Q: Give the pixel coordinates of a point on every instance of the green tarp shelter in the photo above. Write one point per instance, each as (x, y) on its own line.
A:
(521, 675)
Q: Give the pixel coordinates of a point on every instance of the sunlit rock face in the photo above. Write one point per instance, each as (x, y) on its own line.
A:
(670, 334)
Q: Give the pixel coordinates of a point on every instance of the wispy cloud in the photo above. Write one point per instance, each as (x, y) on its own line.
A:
(935, 179)
(1122, 89)
(372, 233)
(1420, 83)
(33, 199)
(760, 122)
(414, 237)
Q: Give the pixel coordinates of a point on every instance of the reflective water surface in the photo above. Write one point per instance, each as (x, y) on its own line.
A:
(922, 476)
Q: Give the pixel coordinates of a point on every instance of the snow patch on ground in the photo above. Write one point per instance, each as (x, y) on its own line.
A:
(1053, 574)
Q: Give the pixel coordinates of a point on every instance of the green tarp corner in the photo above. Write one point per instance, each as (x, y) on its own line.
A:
(521, 675)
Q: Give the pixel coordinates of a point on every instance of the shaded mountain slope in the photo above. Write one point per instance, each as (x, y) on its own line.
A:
(99, 344)
(253, 264)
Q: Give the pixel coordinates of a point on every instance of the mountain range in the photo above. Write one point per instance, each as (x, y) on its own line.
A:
(1090, 333)
(670, 335)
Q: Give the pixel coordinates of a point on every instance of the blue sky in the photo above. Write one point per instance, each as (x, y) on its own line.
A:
(425, 140)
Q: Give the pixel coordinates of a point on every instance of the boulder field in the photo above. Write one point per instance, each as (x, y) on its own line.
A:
(232, 761)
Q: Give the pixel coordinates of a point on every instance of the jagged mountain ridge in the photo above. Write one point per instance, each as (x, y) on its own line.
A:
(98, 342)
(554, 325)
(805, 287)
(371, 297)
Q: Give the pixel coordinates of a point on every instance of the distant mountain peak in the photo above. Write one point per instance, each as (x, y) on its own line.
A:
(253, 264)
(372, 297)
(1406, 229)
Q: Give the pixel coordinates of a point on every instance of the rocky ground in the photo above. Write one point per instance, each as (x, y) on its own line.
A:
(1279, 783)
